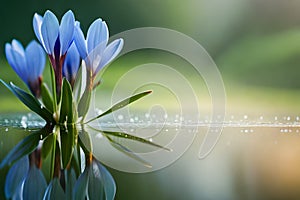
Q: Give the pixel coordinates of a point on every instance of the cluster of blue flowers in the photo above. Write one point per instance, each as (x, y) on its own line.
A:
(66, 46)
(64, 107)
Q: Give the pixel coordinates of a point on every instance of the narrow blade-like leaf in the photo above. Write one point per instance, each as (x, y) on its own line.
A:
(26, 146)
(128, 152)
(47, 146)
(77, 85)
(30, 101)
(132, 137)
(84, 104)
(66, 110)
(53, 85)
(67, 138)
(47, 98)
(85, 141)
(121, 104)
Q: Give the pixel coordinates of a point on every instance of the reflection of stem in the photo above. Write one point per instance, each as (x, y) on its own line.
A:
(35, 158)
(57, 165)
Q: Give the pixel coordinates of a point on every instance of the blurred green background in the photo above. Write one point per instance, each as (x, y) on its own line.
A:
(255, 44)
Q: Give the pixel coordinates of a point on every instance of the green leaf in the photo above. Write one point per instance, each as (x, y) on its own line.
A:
(121, 104)
(77, 85)
(67, 137)
(53, 152)
(84, 104)
(128, 152)
(85, 141)
(53, 85)
(132, 137)
(66, 110)
(47, 146)
(26, 146)
(30, 101)
(47, 98)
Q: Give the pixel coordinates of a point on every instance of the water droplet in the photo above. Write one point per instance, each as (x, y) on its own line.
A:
(6, 129)
(245, 117)
(151, 140)
(131, 120)
(120, 117)
(288, 118)
(261, 117)
(147, 115)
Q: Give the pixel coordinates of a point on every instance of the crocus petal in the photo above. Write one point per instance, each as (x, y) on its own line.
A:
(97, 33)
(15, 177)
(110, 53)
(72, 63)
(18, 47)
(37, 24)
(109, 183)
(93, 59)
(54, 191)
(11, 60)
(35, 184)
(18, 54)
(66, 31)
(80, 41)
(35, 60)
(96, 184)
(49, 29)
(9, 56)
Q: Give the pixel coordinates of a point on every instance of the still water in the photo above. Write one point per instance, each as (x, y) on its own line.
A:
(255, 158)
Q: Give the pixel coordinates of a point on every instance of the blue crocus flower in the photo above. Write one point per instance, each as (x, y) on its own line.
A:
(71, 64)
(55, 38)
(28, 63)
(94, 49)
